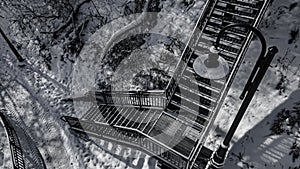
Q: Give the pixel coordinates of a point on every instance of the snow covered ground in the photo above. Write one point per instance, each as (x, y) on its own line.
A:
(51, 73)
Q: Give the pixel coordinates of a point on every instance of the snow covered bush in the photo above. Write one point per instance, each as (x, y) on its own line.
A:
(288, 122)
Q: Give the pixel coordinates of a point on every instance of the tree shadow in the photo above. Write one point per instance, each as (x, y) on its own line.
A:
(258, 148)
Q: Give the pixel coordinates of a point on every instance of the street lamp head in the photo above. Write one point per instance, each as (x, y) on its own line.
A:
(211, 66)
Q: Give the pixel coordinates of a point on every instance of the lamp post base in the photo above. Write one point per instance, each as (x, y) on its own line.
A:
(218, 157)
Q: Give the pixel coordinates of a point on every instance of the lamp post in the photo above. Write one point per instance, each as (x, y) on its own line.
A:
(258, 72)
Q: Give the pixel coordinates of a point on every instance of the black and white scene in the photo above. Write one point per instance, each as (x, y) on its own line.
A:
(149, 84)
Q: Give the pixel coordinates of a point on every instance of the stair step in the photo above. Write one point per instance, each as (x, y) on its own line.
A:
(113, 114)
(200, 99)
(163, 123)
(213, 28)
(189, 107)
(210, 84)
(194, 107)
(222, 8)
(200, 107)
(150, 124)
(195, 92)
(228, 48)
(184, 146)
(228, 38)
(224, 40)
(132, 118)
(90, 111)
(188, 118)
(139, 119)
(96, 111)
(230, 18)
(98, 117)
(199, 89)
(146, 119)
(216, 24)
(125, 115)
(252, 5)
(110, 111)
(119, 116)
(191, 119)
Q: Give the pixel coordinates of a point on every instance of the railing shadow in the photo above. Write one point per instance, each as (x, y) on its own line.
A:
(260, 149)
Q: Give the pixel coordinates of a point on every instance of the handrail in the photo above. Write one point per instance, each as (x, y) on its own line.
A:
(143, 140)
(142, 99)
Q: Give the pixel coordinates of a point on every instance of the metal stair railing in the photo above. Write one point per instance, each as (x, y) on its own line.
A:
(170, 89)
(15, 146)
(25, 153)
(128, 136)
(141, 99)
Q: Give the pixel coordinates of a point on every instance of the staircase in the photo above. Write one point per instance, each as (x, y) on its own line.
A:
(197, 98)
(131, 127)
(153, 123)
(174, 129)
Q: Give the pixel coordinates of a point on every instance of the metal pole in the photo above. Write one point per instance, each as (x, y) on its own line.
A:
(260, 68)
(11, 46)
(220, 155)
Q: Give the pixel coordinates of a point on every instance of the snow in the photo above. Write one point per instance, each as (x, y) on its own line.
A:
(5, 158)
(52, 72)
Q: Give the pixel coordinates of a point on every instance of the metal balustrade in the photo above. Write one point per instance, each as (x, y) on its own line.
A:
(142, 99)
(24, 152)
(127, 136)
(188, 98)
(15, 146)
